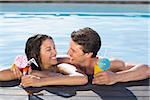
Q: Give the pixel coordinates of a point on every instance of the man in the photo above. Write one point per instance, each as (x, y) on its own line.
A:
(84, 46)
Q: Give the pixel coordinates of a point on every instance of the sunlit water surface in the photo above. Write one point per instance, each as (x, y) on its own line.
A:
(124, 36)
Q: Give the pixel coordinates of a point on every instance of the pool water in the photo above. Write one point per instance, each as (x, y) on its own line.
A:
(124, 35)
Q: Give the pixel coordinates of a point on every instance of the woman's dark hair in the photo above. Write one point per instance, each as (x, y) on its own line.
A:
(32, 49)
(88, 39)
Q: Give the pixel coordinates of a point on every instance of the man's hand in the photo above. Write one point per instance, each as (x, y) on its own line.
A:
(30, 80)
(107, 78)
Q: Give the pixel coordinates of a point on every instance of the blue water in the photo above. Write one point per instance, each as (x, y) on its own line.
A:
(124, 35)
(74, 7)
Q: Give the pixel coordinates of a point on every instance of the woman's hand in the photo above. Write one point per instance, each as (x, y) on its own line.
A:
(16, 71)
(30, 80)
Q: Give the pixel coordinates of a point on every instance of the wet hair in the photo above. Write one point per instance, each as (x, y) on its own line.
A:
(89, 40)
(32, 48)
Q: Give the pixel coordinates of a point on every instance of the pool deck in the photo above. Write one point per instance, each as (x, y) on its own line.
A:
(137, 90)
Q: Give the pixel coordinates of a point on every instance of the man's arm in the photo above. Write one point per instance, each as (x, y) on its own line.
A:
(122, 72)
(63, 60)
(119, 65)
(138, 72)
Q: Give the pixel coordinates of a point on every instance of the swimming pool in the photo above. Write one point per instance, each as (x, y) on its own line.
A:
(124, 35)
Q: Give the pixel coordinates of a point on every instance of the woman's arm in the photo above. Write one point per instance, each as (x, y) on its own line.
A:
(72, 77)
(8, 74)
(57, 80)
(45, 73)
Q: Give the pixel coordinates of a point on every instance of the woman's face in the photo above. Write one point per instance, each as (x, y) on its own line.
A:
(48, 53)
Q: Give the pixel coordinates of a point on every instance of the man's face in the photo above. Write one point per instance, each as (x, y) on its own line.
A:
(77, 56)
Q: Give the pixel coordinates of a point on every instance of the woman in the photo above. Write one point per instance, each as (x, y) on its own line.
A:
(42, 49)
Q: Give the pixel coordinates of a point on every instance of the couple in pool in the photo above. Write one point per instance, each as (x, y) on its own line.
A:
(82, 54)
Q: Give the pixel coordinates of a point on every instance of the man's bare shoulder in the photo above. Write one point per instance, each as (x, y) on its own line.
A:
(63, 59)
